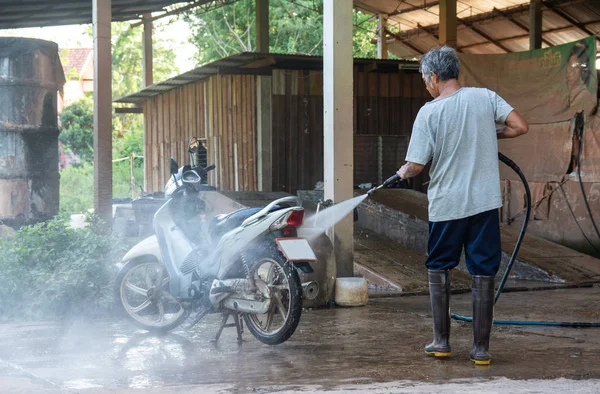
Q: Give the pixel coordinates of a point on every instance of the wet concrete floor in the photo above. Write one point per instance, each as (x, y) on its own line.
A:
(377, 348)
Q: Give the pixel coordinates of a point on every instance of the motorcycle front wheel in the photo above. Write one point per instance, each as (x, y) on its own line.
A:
(279, 323)
(151, 307)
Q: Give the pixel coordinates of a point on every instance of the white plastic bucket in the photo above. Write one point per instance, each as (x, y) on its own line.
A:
(351, 291)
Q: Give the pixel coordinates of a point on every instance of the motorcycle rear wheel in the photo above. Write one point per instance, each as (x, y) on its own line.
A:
(279, 323)
(151, 309)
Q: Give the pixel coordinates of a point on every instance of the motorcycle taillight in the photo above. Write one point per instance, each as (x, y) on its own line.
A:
(290, 220)
(295, 218)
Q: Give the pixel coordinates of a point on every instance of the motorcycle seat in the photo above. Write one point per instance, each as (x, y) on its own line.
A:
(227, 222)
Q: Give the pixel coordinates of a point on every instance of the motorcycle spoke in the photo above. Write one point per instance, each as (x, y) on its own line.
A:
(161, 312)
(143, 305)
(270, 314)
(269, 278)
(137, 289)
(280, 307)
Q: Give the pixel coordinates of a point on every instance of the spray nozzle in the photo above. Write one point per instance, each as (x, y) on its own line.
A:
(391, 180)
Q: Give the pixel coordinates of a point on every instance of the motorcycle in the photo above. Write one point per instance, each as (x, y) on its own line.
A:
(244, 263)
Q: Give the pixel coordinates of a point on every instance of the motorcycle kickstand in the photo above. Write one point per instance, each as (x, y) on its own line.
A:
(237, 323)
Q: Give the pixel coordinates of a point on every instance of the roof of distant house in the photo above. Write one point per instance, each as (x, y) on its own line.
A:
(75, 58)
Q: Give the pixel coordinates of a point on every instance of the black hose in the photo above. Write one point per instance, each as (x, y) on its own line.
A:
(513, 257)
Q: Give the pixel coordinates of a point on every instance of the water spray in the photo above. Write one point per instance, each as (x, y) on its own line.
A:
(390, 181)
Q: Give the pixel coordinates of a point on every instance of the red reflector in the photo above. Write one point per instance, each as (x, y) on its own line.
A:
(296, 218)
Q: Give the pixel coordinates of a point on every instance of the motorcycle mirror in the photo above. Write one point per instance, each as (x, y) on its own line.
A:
(174, 166)
(190, 176)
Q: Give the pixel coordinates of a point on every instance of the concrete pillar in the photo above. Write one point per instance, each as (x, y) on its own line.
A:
(262, 26)
(448, 22)
(338, 122)
(382, 46)
(535, 24)
(102, 110)
(147, 50)
(264, 145)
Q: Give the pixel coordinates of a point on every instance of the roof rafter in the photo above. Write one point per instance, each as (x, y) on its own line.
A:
(570, 19)
(483, 34)
(515, 22)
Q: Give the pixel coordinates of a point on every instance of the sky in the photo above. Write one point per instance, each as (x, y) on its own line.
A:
(73, 36)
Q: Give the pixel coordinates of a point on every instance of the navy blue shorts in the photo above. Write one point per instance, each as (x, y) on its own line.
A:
(478, 234)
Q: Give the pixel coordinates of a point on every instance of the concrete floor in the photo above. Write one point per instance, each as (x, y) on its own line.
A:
(377, 348)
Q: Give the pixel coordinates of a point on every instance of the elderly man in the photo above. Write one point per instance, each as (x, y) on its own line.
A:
(457, 132)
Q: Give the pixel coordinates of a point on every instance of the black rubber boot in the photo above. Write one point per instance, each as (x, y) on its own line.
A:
(483, 316)
(439, 290)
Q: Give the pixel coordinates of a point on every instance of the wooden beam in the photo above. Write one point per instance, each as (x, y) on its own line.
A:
(370, 10)
(262, 26)
(448, 19)
(382, 46)
(515, 22)
(147, 51)
(267, 61)
(428, 30)
(484, 35)
(405, 42)
(535, 24)
(522, 36)
(415, 8)
(101, 11)
(129, 110)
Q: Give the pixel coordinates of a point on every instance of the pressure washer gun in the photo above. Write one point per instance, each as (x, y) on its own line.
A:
(390, 181)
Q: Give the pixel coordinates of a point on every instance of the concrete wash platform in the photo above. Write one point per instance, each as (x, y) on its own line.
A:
(376, 348)
(401, 215)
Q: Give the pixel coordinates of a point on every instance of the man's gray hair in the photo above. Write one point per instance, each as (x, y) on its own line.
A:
(442, 61)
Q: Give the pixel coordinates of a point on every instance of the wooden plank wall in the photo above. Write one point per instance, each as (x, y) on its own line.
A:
(231, 119)
(221, 109)
(170, 120)
(385, 105)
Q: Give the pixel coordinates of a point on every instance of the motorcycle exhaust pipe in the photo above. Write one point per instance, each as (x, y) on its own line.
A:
(310, 290)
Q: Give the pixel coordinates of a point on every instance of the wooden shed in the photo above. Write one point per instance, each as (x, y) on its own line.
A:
(221, 103)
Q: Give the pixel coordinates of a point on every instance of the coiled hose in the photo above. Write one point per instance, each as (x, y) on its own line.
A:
(511, 262)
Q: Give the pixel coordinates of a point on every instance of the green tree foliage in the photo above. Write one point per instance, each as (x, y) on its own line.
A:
(77, 188)
(296, 26)
(77, 128)
(127, 73)
(50, 271)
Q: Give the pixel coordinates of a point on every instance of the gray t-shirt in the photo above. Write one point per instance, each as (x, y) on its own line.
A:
(458, 134)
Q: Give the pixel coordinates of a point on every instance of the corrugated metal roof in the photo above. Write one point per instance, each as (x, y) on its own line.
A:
(414, 23)
(39, 13)
(252, 63)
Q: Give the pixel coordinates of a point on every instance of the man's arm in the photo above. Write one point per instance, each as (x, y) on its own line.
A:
(514, 127)
(409, 170)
